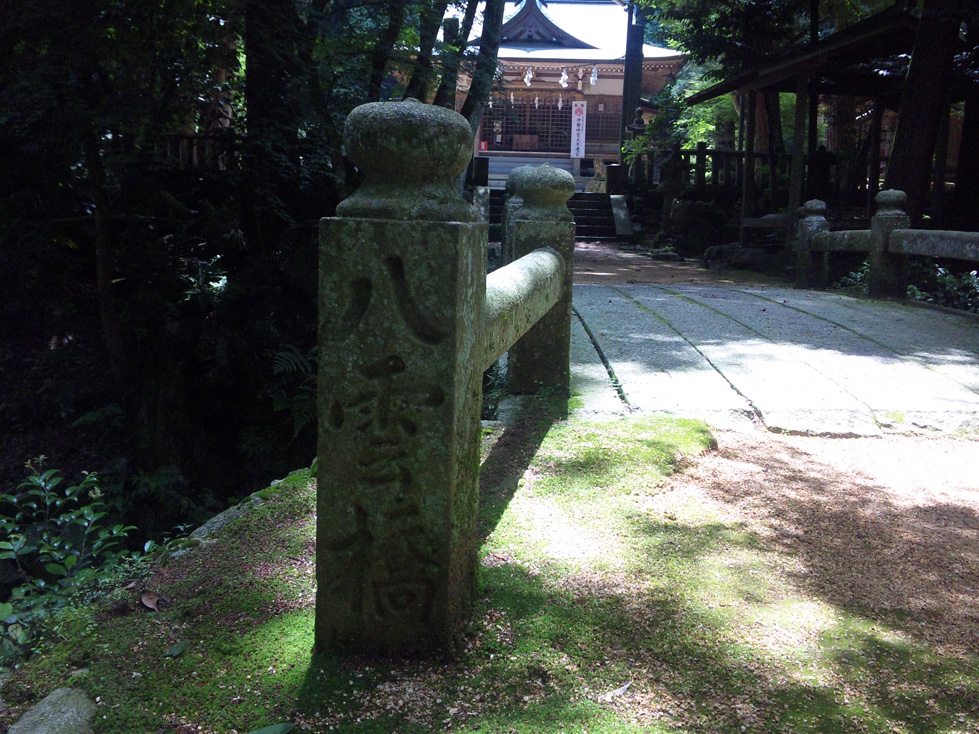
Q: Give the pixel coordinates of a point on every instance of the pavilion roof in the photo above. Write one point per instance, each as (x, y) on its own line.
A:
(853, 61)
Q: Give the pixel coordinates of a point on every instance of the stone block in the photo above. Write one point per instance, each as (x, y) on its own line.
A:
(400, 320)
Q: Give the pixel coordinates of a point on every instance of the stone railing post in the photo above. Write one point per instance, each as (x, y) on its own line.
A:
(511, 203)
(402, 288)
(541, 359)
(810, 272)
(888, 277)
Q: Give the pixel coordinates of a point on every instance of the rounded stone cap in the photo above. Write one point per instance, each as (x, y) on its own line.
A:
(545, 191)
(815, 208)
(512, 186)
(410, 154)
(891, 202)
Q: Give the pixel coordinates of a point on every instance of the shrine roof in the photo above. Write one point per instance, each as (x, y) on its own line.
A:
(568, 31)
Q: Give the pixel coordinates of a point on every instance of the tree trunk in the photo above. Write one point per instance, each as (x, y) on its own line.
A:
(489, 46)
(421, 74)
(384, 48)
(923, 104)
(270, 153)
(775, 143)
(966, 180)
(108, 310)
(445, 96)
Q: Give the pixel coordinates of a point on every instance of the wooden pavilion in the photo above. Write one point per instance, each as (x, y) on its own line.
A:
(865, 63)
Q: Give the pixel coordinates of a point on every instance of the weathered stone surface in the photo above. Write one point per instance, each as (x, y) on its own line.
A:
(401, 312)
(512, 203)
(517, 297)
(543, 192)
(620, 214)
(65, 711)
(813, 220)
(402, 336)
(541, 359)
(888, 276)
(410, 154)
(225, 518)
(935, 243)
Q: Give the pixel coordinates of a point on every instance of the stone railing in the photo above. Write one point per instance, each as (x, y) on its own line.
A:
(408, 322)
(888, 243)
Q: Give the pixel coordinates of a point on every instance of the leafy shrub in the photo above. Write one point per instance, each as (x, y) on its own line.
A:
(930, 282)
(61, 545)
(948, 289)
(855, 281)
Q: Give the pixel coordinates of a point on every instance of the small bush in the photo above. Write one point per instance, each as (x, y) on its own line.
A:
(936, 284)
(60, 542)
(929, 282)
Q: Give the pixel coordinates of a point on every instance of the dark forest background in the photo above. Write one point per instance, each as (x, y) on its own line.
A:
(163, 166)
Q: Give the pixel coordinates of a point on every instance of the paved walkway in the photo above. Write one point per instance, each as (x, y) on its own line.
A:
(749, 357)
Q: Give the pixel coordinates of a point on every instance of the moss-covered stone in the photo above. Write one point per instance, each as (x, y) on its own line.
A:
(410, 154)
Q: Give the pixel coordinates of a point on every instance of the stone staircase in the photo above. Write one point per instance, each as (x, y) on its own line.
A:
(592, 215)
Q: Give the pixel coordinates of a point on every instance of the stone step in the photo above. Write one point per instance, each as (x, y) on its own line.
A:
(592, 214)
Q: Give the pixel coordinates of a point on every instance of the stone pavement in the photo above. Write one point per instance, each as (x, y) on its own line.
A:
(752, 357)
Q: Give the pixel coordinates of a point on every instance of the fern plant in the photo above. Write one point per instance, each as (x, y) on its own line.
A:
(295, 392)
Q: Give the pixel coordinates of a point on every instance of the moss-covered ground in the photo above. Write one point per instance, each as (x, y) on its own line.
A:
(611, 601)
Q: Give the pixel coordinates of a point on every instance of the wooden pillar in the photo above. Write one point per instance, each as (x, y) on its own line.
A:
(941, 168)
(873, 184)
(700, 168)
(813, 120)
(748, 180)
(632, 70)
(797, 181)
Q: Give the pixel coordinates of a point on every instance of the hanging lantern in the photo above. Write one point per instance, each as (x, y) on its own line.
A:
(563, 81)
(594, 76)
(528, 76)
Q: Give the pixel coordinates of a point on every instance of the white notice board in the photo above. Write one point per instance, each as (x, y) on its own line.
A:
(579, 111)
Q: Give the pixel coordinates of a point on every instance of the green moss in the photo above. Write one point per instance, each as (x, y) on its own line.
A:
(592, 576)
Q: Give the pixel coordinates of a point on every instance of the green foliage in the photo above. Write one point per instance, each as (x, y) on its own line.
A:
(732, 33)
(685, 125)
(855, 281)
(295, 390)
(61, 544)
(935, 284)
(930, 283)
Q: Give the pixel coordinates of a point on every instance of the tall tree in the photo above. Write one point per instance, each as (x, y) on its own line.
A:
(453, 52)
(967, 184)
(384, 48)
(486, 64)
(422, 70)
(924, 103)
(273, 103)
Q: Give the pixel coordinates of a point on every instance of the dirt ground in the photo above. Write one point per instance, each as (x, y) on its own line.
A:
(887, 523)
(610, 264)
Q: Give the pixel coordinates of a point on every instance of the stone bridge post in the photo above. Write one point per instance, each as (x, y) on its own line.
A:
(402, 289)
(810, 273)
(888, 276)
(541, 359)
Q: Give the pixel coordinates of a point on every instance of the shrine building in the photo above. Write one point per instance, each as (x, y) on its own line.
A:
(563, 63)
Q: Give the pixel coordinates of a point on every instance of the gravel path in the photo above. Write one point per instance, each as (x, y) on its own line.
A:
(888, 523)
